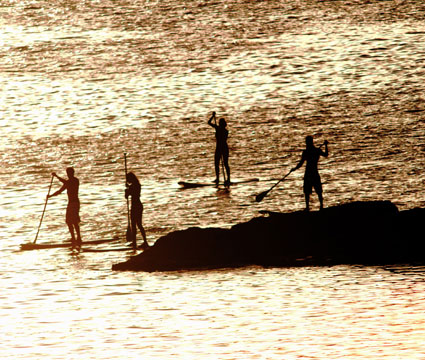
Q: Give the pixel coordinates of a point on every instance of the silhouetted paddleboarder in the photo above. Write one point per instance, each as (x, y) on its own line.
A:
(72, 218)
(221, 149)
(311, 156)
(136, 209)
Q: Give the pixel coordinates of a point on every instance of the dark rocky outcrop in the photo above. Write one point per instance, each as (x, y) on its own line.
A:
(353, 233)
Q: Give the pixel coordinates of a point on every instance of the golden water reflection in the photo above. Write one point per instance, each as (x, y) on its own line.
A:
(313, 312)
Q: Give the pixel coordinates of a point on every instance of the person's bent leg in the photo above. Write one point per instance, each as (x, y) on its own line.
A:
(145, 241)
(226, 165)
(143, 232)
(133, 232)
(71, 231)
(77, 230)
(307, 201)
(320, 200)
(319, 192)
(217, 157)
(307, 191)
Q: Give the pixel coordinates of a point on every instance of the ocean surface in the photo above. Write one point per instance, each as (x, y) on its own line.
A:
(83, 81)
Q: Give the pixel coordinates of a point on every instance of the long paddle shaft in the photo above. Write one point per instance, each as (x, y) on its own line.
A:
(261, 196)
(42, 215)
(128, 233)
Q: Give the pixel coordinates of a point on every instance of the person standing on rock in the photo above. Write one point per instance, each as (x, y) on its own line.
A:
(311, 156)
(72, 218)
(221, 149)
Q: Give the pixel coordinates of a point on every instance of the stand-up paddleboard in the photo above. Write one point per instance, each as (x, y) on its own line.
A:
(194, 184)
(127, 248)
(68, 244)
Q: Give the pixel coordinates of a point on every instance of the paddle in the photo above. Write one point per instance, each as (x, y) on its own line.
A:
(128, 233)
(262, 195)
(42, 215)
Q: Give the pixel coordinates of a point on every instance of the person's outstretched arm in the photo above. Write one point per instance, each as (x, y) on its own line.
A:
(129, 191)
(61, 189)
(300, 163)
(211, 119)
(62, 180)
(58, 192)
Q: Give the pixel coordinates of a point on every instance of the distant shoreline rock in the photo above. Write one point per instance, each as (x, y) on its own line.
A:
(368, 233)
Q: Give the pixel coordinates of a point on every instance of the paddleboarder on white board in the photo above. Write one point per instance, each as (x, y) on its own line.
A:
(136, 209)
(72, 217)
(311, 156)
(221, 149)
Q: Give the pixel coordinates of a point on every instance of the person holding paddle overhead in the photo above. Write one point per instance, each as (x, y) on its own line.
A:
(222, 149)
(72, 218)
(136, 212)
(311, 156)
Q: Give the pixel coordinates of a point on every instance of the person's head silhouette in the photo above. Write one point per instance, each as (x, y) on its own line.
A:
(309, 141)
(70, 172)
(131, 178)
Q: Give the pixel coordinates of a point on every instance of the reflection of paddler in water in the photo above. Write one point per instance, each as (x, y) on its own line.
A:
(312, 180)
(222, 149)
(72, 211)
(136, 213)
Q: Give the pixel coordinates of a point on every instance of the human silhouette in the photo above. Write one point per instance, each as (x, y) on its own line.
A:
(72, 218)
(311, 156)
(136, 212)
(221, 149)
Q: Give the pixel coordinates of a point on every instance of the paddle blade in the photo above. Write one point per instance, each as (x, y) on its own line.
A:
(261, 196)
(128, 235)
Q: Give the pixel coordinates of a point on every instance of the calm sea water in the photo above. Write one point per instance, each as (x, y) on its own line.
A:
(83, 82)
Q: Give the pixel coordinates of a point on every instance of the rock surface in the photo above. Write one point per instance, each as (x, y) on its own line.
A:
(353, 233)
